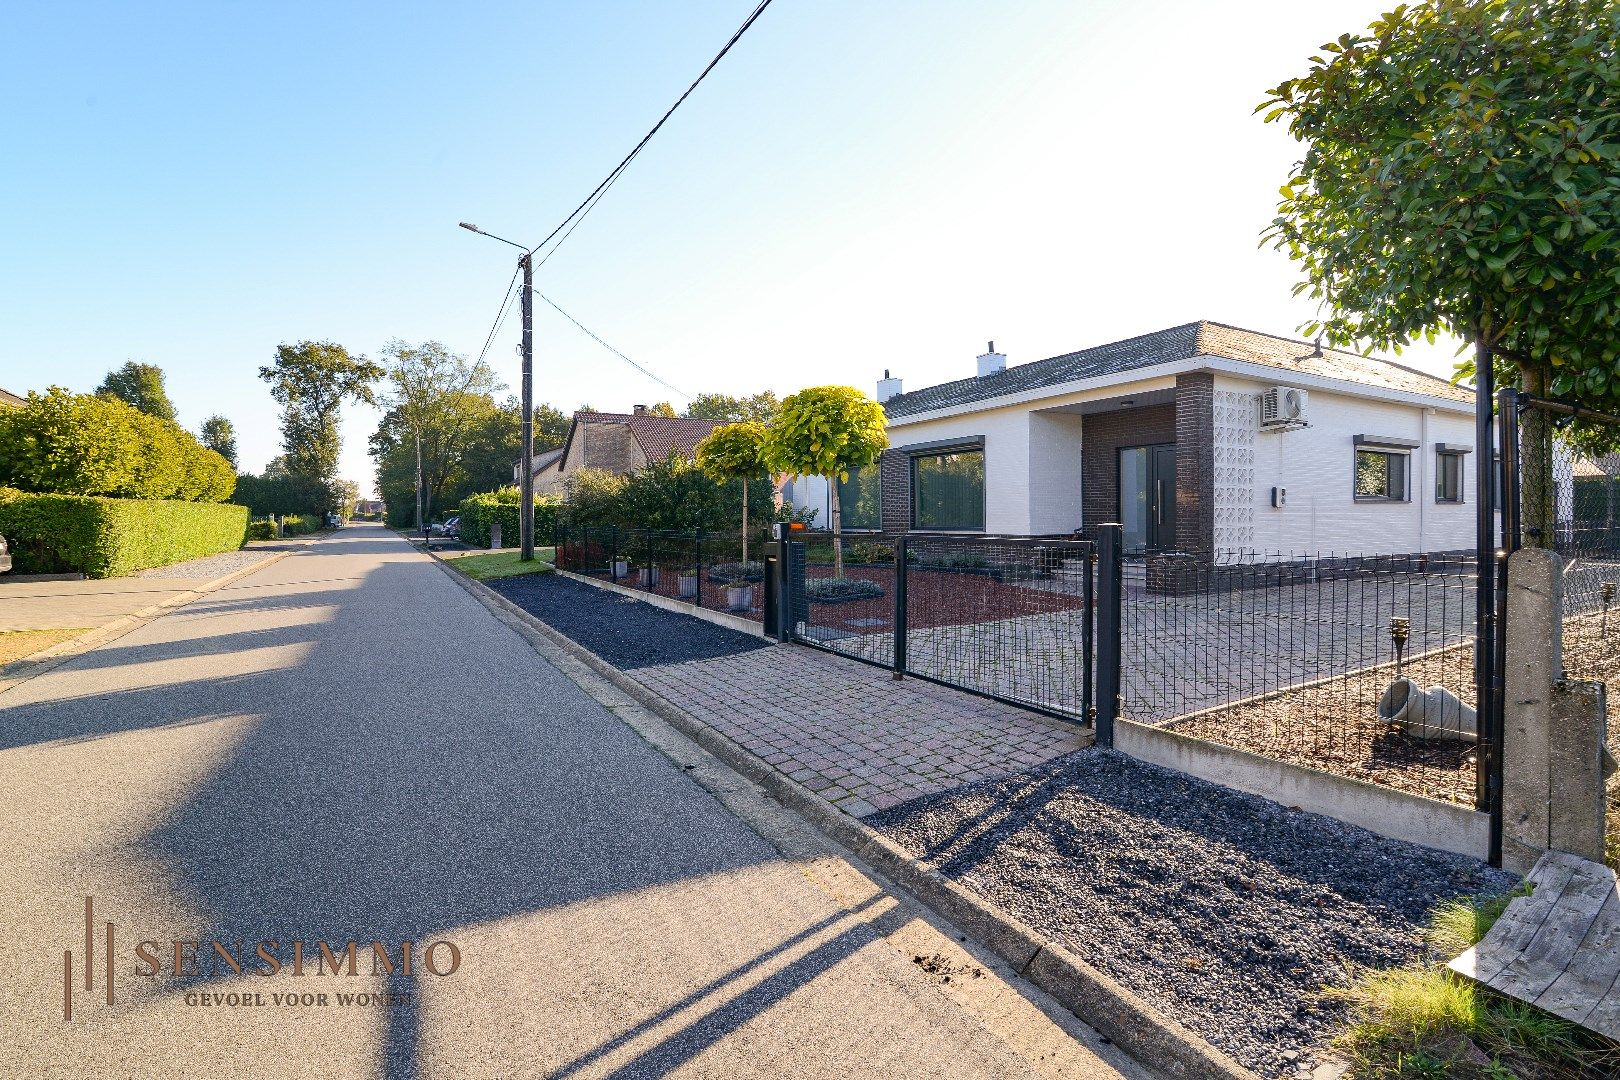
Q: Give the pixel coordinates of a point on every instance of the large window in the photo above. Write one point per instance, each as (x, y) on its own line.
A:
(1381, 475)
(1448, 476)
(860, 499)
(947, 490)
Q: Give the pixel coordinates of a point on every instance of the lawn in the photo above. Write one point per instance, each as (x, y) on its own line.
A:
(16, 644)
(501, 564)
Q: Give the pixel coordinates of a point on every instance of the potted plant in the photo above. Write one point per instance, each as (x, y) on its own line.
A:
(647, 576)
(739, 595)
(619, 566)
(688, 582)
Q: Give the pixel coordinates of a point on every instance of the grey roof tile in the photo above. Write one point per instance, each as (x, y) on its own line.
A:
(1203, 338)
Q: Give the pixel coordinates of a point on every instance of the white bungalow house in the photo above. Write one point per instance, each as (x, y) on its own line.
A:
(1203, 438)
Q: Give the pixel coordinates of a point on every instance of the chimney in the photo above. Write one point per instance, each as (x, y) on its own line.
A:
(992, 362)
(641, 410)
(887, 387)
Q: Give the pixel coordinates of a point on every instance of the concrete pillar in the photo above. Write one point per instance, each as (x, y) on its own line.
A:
(1553, 754)
(1578, 765)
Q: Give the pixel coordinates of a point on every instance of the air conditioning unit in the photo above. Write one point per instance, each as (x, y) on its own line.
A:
(1282, 408)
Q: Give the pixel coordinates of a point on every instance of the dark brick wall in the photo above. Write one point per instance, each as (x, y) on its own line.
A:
(1101, 437)
(895, 477)
(1195, 461)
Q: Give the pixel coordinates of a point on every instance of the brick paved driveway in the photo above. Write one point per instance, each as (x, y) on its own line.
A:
(850, 732)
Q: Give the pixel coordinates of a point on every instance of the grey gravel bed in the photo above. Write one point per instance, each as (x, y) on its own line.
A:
(623, 631)
(211, 566)
(1228, 912)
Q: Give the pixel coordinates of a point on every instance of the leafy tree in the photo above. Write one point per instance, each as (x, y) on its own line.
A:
(140, 385)
(1460, 175)
(219, 435)
(735, 452)
(441, 399)
(311, 381)
(827, 431)
(550, 425)
(662, 408)
(723, 407)
(594, 497)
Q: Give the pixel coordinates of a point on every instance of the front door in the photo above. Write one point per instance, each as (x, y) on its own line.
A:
(1147, 497)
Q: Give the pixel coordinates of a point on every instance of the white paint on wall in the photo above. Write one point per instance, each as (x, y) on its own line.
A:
(1054, 472)
(1317, 467)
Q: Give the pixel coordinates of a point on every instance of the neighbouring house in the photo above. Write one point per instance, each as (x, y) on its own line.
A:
(1200, 438)
(8, 398)
(546, 459)
(618, 442)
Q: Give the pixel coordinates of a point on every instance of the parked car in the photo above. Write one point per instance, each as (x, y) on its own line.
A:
(5, 555)
(452, 526)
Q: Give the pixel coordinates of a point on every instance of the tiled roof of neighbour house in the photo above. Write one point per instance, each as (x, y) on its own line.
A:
(541, 460)
(1183, 342)
(656, 435)
(8, 398)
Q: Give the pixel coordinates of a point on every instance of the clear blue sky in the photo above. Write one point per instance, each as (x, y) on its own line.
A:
(859, 186)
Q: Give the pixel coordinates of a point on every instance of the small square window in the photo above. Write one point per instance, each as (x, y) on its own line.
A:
(1381, 476)
(1448, 477)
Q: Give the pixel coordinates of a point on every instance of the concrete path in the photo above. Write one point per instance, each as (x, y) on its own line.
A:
(344, 746)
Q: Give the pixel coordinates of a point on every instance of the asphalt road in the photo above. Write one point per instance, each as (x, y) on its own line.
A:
(345, 746)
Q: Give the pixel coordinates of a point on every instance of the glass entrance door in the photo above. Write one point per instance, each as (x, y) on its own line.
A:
(1147, 497)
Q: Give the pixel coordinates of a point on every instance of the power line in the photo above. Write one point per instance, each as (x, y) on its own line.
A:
(590, 201)
(588, 333)
(500, 317)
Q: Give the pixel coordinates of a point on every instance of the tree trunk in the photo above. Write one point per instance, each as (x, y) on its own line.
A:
(837, 528)
(745, 520)
(1538, 492)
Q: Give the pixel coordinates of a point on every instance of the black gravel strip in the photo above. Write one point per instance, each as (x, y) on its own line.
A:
(1228, 912)
(626, 633)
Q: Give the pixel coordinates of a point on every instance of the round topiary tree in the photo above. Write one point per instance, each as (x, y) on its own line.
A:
(734, 452)
(827, 431)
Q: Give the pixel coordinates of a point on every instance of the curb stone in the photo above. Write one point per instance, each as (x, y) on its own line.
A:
(1135, 1026)
(30, 667)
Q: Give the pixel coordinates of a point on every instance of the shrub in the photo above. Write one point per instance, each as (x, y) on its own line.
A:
(103, 537)
(301, 524)
(478, 512)
(261, 530)
(835, 590)
(77, 444)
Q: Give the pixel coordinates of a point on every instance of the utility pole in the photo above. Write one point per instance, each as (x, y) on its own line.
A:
(526, 466)
(526, 481)
(421, 488)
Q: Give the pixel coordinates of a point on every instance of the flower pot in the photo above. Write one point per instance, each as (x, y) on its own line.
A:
(621, 568)
(739, 597)
(648, 577)
(689, 585)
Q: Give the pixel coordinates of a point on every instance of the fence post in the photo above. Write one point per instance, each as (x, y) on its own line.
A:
(697, 564)
(1110, 587)
(900, 606)
(652, 564)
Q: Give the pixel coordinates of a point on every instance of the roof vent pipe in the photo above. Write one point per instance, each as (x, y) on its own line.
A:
(992, 362)
(887, 387)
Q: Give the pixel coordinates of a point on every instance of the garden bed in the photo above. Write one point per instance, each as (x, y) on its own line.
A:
(1225, 911)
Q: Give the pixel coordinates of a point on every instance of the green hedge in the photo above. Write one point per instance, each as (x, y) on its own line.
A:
(100, 537)
(479, 511)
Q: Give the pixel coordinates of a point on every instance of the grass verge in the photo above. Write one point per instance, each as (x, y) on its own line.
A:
(16, 644)
(500, 564)
(1420, 1022)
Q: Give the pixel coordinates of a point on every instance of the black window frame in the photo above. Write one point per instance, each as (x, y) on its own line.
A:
(921, 451)
(1450, 459)
(843, 507)
(1394, 449)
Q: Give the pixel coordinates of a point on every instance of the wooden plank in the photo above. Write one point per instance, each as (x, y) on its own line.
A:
(1517, 925)
(1544, 959)
(1605, 1018)
(1592, 972)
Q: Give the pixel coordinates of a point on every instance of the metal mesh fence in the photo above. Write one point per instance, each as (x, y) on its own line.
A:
(697, 567)
(1007, 618)
(1360, 666)
(1579, 493)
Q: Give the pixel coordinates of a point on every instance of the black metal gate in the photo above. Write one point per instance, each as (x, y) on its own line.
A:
(1013, 619)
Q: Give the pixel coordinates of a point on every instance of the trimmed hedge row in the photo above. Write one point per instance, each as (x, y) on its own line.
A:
(101, 537)
(479, 511)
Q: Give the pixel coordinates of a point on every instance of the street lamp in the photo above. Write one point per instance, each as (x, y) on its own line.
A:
(526, 477)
